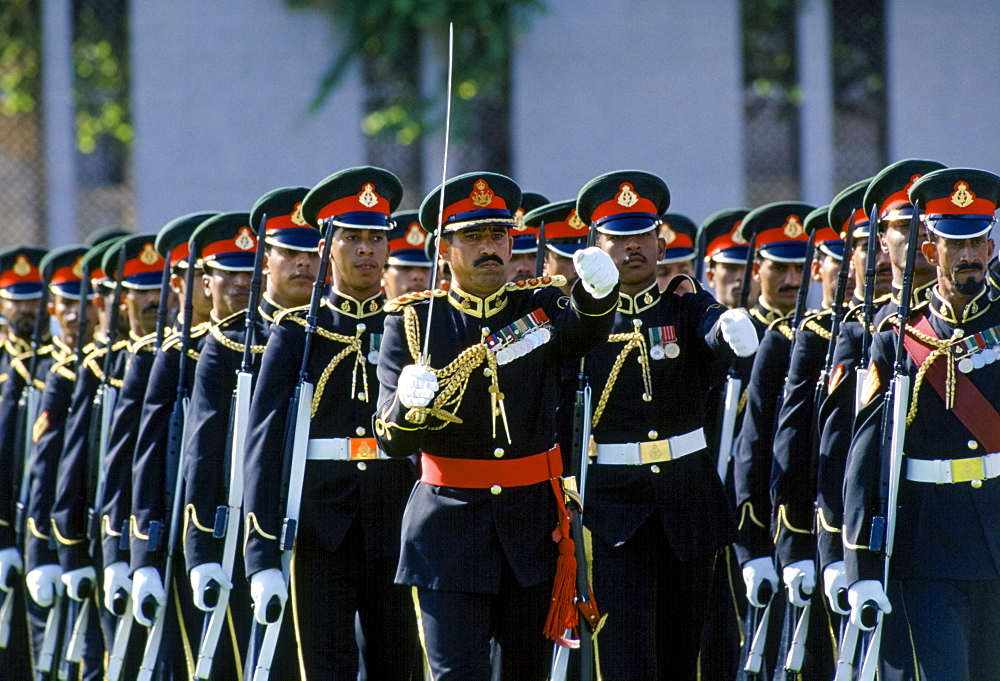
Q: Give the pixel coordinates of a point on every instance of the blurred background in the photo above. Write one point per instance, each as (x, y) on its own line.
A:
(128, 114)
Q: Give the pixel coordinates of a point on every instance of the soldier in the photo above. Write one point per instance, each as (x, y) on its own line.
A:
(565, 234)
(941, 613)
(20, 299)
(726, 257)
(478, 530)
(524, 253)
(288, 240)
(150, 455)
(679, 234)
(651, 488)
(352, 500)
(408, 269)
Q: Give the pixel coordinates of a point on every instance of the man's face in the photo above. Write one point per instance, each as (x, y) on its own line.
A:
(478, 257)
(779, 282)
(894, 235)
(290, 275)
(65, 311)
(666, 272)
(826, 272)
(961, 263)
(400, 279)
(859, 267)
(727, 280)
(228, 291)
(201, 303)
(357, 259)
(635, 256)
(521, 266)
(141, 307)
(21, 315)
(560, 264)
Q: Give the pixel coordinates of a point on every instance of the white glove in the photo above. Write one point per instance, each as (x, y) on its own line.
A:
(264, 586)
(201, 577)
(739, 332)
(597, 271)
(146, 582)
(75, 579)
(835, 580)
(800, 581)
(416, 386)
(866, 592)
(43, 584)
(10, 561)
(755, 573)
(115, 579)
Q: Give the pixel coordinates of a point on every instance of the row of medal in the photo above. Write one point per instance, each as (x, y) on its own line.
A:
(978, 350)
(521, 337)
(663, 342)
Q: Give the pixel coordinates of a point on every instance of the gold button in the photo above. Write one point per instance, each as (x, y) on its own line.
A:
(646, 397)
(654, 468)
(360, 430)
(362, 466)
(977, 483)
(361, 396)
(495, 489)
(498, 452)
(652, 434)
(973, 444)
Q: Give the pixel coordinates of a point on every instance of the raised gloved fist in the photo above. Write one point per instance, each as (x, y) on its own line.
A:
(204, 576)
(597, 271)
(867, 592)
(800, 581)
(10, 562)
(416, 386)
(835, 584)
(147, 584)
(267, 586)
(43, 584)
(115, 579)
(80, 583)
(756, 573)
(739, 332)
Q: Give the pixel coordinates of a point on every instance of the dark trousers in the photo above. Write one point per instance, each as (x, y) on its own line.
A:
(655, 605)
(460, 630)
(949, 628)
(721, 635)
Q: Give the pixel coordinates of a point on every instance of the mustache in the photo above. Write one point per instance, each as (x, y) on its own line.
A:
(483, 259)
(788, 289)
(968, 267)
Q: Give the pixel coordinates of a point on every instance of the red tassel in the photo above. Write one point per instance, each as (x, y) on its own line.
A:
(562, 612)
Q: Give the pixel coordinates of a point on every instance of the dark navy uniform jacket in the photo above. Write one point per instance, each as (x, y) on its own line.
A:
(149, 469)
(686, 494)
(207, 450)
(73, 488)
(456, 539)
(944, 531)
(335, 494)
(10, 349)
(752, 455)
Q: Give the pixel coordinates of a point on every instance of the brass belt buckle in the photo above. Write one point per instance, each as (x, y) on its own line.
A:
(964, 470)
(654, 452)
(363, 448)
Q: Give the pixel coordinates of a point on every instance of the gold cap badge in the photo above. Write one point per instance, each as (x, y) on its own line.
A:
(481, 195)
(667, 234)
(21, 266)
(793, 228)
(414, 235)
(962, 196)
(737, 234)
(244, 239)
(519, 220)
(78, 267)
(148, 255)
(296, 216)
(626, 196)
(574, 220)
(368, 198)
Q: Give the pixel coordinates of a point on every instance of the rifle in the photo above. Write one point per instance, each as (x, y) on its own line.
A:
(227, 516)
(174, 487)
(540, 253)
(294, 451)
(868, 310)
(894, 409)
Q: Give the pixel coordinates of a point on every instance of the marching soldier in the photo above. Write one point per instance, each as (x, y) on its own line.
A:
(726, 257)
(679, 235)
(565, 234)
(20, 299)
(479, 404)
(524, 253)
(652, 489)
(408, 269)
(941, 604)
(352, 498)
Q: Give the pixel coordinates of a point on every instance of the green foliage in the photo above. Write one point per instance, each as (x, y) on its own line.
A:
(20, 47)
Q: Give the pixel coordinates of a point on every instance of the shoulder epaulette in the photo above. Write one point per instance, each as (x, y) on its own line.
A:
(815, 315)
(235, 346)
(397, 304)
(228, 321)
(784, 326)
(536, 282)
(813, 324)
(290, 311)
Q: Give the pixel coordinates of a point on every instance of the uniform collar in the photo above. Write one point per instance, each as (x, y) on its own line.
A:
(352, 307)
(475, 306)
(268, 308)
(919, 294)
(765, 313)
(643, 300)
(943, 309)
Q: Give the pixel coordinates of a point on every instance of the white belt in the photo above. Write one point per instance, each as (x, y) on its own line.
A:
(942, 471)
(344, 449)
(636, 453)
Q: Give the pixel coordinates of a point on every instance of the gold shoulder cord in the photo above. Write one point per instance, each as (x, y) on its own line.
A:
(632, 340)
(817, 329)
(353, 346)
(454, 379)
(231, 344)
(941, 347)
(92, 364)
